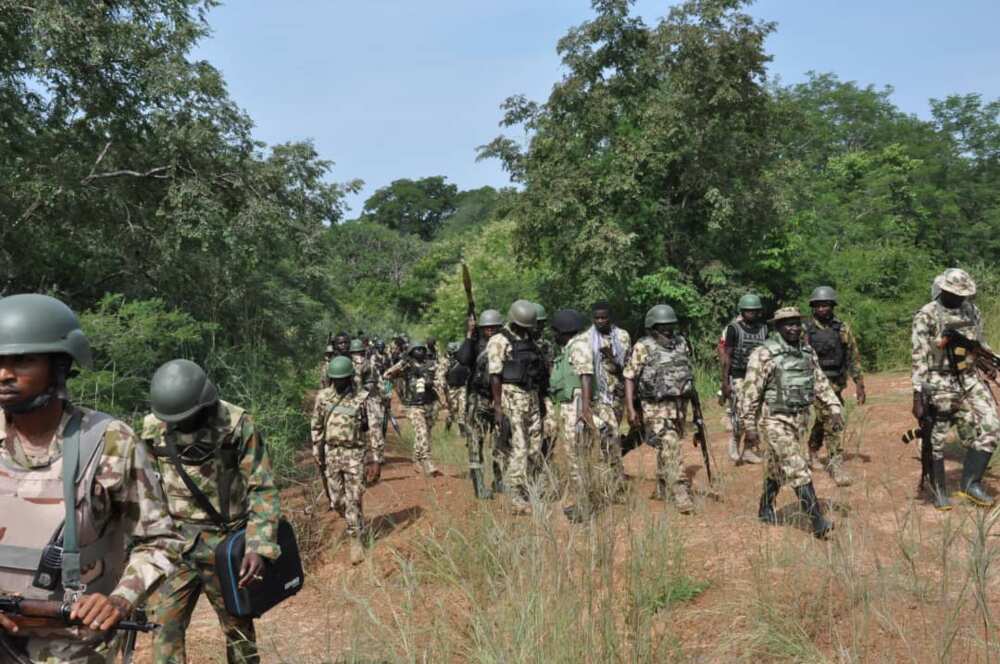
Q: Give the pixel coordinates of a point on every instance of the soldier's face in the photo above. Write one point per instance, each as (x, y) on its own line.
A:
(489, 331)
(341, 344)
(790, 330)
(23, 377)
(666, 329)
(602, 321)
(342, 384)
(823, 310)
(418, 354)
(950, 300)
(750, 315)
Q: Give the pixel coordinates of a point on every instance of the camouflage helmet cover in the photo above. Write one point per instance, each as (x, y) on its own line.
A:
(785, 313)
(340, 367)
(660, 314)
(33, 323)
(179, 389)
(958, 282)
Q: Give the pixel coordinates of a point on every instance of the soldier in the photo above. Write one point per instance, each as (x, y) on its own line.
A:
(328, 354)
(479, 421)
(351, 460)
(367, 379)
(743, 334)
(837, 349)
(571, 386)
(215, 472)
(952, 393)
(550, 419)
(421, 384)
(517, 377)
(782, 382)
(46, 443)
(609, 346)
(456, 377)
(658, 375)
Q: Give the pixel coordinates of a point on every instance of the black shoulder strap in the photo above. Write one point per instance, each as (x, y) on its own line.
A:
(196, 493)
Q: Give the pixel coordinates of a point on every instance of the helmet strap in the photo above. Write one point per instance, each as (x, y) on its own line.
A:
(30, 405)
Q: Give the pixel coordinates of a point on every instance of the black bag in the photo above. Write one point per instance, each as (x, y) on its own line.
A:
(282, 577)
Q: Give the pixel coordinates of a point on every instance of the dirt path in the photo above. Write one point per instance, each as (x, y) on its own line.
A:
(724, 541)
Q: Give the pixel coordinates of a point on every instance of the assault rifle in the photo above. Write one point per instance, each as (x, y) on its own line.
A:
(960, 347)
(923, 432)
(50, 613)
(700, 432)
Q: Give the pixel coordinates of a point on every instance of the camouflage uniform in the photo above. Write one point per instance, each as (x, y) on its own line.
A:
(125, 496)
(229, 443)
(663, 420)
(338, 430)
(367, 378)
(521, 407)
(550, 422)
(609, 404)
(424, 378)
(783, 433)
(962, 400)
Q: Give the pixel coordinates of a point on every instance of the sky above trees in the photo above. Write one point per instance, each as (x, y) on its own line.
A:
(393, 89)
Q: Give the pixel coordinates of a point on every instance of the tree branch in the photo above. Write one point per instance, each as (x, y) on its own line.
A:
(158, 172)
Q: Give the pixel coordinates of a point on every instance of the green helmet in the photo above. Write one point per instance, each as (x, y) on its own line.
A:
(823, 294)
(660, 314)
(33, 323)
(490, 318)
(750, 301)
(179, 389)
(357, 346)
(541, 315)
(523, 313)
(340, 367)
(417, 344)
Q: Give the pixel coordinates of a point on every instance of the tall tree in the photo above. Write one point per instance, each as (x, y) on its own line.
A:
(417, 207)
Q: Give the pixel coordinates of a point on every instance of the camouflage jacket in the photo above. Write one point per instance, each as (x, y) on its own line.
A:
(228, 442)
(672, 371)
(341, 420)
(930, 363)
(581, 357)
(761, 373)
(125, 495)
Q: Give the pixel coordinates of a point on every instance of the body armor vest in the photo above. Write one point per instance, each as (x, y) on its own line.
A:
(564, 381)
(418, 384)
(526, 367)
(343, 421)
(829, 346)
(746, 340)
(667, 374)
(32, 512)
(792, 387)
(458, 374)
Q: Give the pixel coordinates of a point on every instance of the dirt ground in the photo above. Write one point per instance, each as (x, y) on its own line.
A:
(722, 539)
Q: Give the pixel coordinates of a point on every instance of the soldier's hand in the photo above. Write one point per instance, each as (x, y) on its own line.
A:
(918, 406)
(251, 570)
(633, 416)
(751, 438)
(7, 625)
(497, 415)
(837, 422)
(100, 612)
(587, 415)
(373, 472)
(727, 390)
(860, 394)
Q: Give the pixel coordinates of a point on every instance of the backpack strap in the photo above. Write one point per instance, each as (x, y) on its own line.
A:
(196, 493)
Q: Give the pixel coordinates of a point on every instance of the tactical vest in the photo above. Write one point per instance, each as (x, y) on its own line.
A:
(342, 425)
(829, 346)
(525, 368)
(564, 381)
(962, 320)
(667, 373)
(209, 461)
(418, 384)
(32, 513)
(746, 341)
(792, 387)
(458, 374)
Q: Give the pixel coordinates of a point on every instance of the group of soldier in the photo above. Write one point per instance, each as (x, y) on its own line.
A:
(82, 484)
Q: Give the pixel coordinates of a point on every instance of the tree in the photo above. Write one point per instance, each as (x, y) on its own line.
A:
(416, 207)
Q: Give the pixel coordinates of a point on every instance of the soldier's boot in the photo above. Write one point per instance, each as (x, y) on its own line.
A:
(939, 489)
(836, 469)
(521, 502)
(498, 485)
(766, 512)
(682, 498)
(972, 474)
(821, 526)
(734, 449)
(357, 550)
(750, 456)
(660, 492)
(478, 485)
(428, 468)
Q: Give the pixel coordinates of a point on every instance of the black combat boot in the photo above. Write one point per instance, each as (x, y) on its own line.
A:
(498, 485)
(972, 473)
(810, 505)
(478, 485)
(939, 487)
(766, 512)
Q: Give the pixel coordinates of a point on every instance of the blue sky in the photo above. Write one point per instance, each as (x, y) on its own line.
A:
(389, 89)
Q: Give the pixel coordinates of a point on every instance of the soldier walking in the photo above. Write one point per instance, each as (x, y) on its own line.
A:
(550, 420)
(609, 347)
(480, 421)
(658, 376)
(349, 457)
(421, 385)
(216, 474)
(783, 380)
(368, 379)
(743, 334)
(456, 379)
(950, 393)
(838, 354)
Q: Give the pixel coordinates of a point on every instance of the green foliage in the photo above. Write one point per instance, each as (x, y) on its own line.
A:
(413, 207)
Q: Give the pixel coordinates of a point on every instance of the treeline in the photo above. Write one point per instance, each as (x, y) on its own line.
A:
(664, 166)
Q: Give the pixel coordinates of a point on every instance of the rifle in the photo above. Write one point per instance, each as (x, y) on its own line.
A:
(51, 613)
(502, 440)
(959, 347)
(700, 432)
(923, 432)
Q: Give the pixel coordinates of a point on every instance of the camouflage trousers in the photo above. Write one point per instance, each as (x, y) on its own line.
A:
(479, 427)
(40, 650)
(521, 409)
(611, 437)
(550, 426)
(173, 603)
(345, 475)
(784, 442)
(456, 397)
(586, 474)
(376, 413)
(732, 406)
(822, 429)
(422, 420)
(663, 427)
(973, 414)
